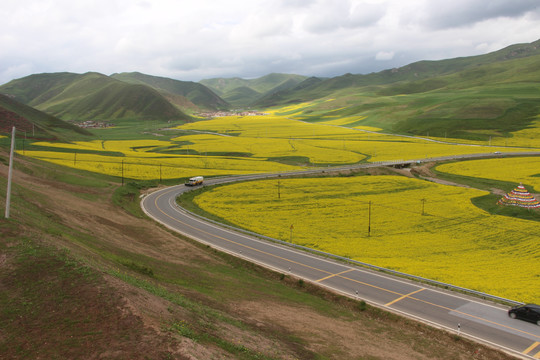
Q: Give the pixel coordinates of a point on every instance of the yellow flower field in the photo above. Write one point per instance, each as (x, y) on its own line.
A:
(267, 126)
(527, 137)
(318, 152)
(153, 166)
(322, 137)
(524, 170)
(239, 144)
(453, 242)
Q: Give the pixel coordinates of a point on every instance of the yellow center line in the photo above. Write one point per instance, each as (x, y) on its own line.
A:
(448, 309)
(343, 277)
(404, 296)
(530, 348)
(331, 276)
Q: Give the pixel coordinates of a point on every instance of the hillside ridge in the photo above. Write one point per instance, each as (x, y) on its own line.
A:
(91, 96)
(34, 123)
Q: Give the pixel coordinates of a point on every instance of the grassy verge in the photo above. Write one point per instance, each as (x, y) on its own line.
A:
(129, 289)
(126, 196)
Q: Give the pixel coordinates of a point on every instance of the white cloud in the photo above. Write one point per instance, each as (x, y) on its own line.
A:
(384, 55)
(194, 40)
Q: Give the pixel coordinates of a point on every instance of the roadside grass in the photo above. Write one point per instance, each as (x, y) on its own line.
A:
(57, 305)
(126, 196)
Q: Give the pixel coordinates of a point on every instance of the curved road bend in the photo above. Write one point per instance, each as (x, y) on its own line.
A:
(483, 321)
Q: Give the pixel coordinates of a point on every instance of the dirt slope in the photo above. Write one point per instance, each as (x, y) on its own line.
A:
(82, 278)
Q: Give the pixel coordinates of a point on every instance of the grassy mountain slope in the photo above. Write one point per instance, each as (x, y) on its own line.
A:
(197, 93)
(474, 98)
(415, 73)
(231, 89)
(91, 96)
(35, 124)
(118, 101)
(241, 95)
(43, 86)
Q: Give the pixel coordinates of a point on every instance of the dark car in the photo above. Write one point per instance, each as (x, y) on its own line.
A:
(529, 312)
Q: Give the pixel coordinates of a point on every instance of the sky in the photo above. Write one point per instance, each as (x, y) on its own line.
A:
(192, 40)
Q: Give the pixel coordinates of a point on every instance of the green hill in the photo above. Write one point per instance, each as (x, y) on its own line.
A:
(473, 97)
(241, 96)
(34, 123)
(91, 96)
(196, 93)
(232, 89)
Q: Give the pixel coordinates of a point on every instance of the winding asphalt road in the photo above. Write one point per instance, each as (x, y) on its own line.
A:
(467, 316)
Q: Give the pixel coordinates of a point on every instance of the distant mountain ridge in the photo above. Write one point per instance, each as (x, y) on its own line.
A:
(244, 92)
(413, 72)
(196, 94)
(478, 97)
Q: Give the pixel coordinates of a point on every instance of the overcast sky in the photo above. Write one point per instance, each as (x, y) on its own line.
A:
(200, 39)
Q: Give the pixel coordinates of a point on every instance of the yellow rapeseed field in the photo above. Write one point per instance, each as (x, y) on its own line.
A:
(321, 137)
(417, 227)
(528, 137)
(239, 144)
(150, 166)
(524, 170)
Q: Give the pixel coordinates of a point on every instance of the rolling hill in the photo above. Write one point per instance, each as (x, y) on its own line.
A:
(472, 97)
(91, 96)
(34, 123)
(182, 93)
(244, 92)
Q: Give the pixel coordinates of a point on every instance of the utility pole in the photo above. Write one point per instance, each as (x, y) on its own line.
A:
(369, 220)
(10, 172)
(122, 172)
(278, 189)
(290, 238)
